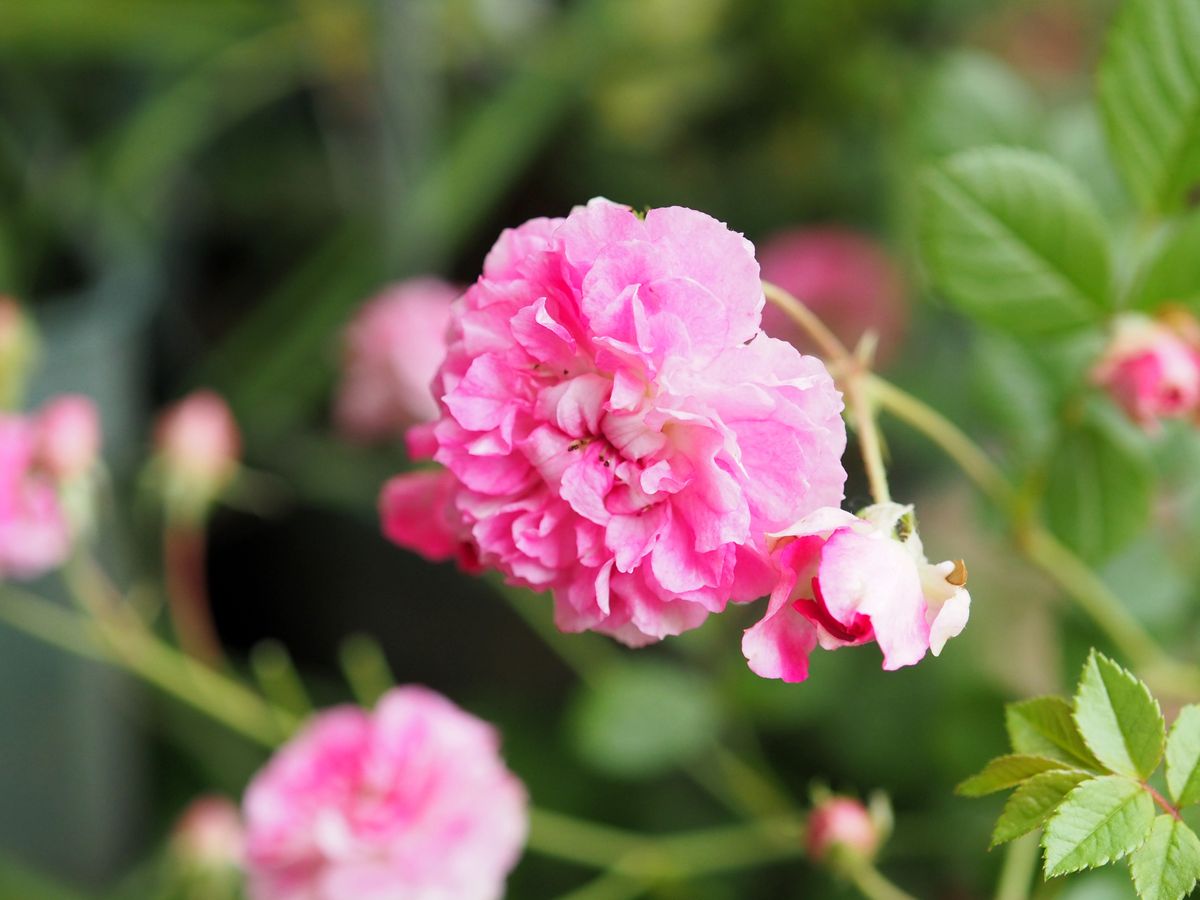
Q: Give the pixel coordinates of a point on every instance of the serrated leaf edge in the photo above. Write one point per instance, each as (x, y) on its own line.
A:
(1097, 655)
(1055, 765)
(1102, 862)
(993, 843)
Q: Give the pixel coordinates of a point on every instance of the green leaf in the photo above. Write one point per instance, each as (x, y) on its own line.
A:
(971, 99)
(1171, 271)
(1005, 772)
(1099, 488)
(1118, 718)
(1167, 865)
(642, 718)
(1149, 94)
(1013, 239)
(1033, 802)
(1045, 726)
(1100, 821)
(1183, 757)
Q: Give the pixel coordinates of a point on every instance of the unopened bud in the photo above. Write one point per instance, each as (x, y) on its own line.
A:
(841, 825)
(209, 835)
(198, 445)
(68, 436)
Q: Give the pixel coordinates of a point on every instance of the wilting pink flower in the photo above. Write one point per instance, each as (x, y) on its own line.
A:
(1151, 367)
(843, 276)
(198, 442)
(412, 800)
(847, 580)
(841, 823)
(35, 535)
(618, 429)
(68, 430)
(209, 834)
(392, 351)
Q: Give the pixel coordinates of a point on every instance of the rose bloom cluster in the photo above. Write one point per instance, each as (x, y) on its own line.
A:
(1151, 367)
(615, 427)
(44, 456)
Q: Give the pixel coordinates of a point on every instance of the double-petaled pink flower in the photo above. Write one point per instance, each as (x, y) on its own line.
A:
(392, 351)
(40, 455)
(411, 800)
(847, 580)
(615, 427)
(1151, 367)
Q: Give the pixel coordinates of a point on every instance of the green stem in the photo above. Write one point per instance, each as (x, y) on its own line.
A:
(977, 465)
(611, 885)
(669, 858)
(1020, 861)
(872, 885)
(110, 634)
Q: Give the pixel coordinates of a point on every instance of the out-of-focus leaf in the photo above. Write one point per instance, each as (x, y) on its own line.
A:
(1074, 135)
(1033, 803)
(1014, 240)
(1015, 393)
(1005, 772)
(1183, 757)
(1150, 96)
(640, 719)
(1102, 820)
(973, 100)
(1099, 488)
(1119, 719)
(1171, 271)
(1045, 726)
(1167, 865)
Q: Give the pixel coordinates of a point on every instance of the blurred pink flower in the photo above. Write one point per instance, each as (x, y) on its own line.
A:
(846, 278)
(847, 580)
(35, 535)
(841, 823)
(411, 800)
(619, 429)
(392, 351)
(68, 436)
(198, 442)
(209, 834)
(1151, 367)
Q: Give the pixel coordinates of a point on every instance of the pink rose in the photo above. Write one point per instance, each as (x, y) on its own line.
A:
(618, 429)
(846, 278)
(411, 800)
(1151, 367)
(35, 533)
(392, 352)
(68, 436)
(848, 580)
(841, 823)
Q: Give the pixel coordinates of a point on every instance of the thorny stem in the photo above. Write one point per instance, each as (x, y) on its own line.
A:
(1039, 546)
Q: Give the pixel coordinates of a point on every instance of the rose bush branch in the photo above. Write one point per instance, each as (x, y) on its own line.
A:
(1086, 589)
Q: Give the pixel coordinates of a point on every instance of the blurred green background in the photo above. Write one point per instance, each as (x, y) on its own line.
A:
(200, 192)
